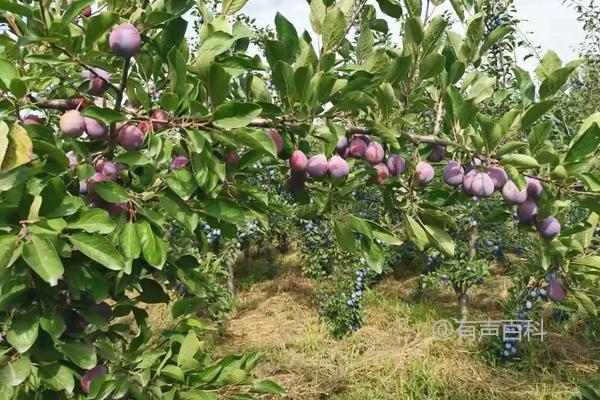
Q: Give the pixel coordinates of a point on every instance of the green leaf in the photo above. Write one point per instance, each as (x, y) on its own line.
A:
(190, 346)
(19, 149)
(132, 158)
(288, 36)
(590, 261)
(414, 7)
(154, 249)
(181, 182)
(53, 323)
(334, 28)
(8, 72)
(440, 239)
(177, 72)
(495, 36)
(550, 63)
(98, 249)
(16, 8)
(18, 88)
(225, 210)
(97, 26)
(432, 65)
(129, 241)
(82, 354)
(7, 249)
(433, 32)
(390, 8)
(344, 236)
(584, 144)
(365, 43)
(106, 115)
(40, 254)
(317, 15)
(152, 292)
(414, 33)
(509, 147)
(235, 114)
(57, 377)
(267, 387)
(229, 7)
(520, 160)
(255, 139)
(23, 331)
(536, 112)
(14, 373)
(555, 81)
(93, 220)
(111, 192)
(372, 254)
(74, 9)
(173, 372)
(415, 233)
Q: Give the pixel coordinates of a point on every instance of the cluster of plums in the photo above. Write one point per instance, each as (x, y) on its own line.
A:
(336, 167)
(129, 136)
(483, 184)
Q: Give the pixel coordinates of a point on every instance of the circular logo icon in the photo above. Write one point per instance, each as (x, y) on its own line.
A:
(442, 329)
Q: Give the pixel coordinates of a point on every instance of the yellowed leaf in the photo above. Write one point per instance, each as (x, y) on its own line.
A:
(19, 149)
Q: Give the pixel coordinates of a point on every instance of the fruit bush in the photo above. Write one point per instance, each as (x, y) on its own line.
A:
(116, 129)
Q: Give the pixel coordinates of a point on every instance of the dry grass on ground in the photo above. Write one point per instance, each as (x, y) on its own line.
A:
(393, 356)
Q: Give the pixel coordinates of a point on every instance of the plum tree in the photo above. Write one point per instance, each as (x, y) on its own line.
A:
(192, 123)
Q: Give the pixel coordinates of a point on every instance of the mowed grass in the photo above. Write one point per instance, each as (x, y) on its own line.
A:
(394, 355)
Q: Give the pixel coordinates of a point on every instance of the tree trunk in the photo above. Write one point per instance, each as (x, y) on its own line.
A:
(463, 303)
(230, 282)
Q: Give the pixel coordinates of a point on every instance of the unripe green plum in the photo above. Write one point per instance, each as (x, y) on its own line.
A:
(125, 40)
(72, 124)
(317, 166)
(560, 173)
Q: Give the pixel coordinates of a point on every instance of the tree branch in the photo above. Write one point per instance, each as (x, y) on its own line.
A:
(112, 140)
